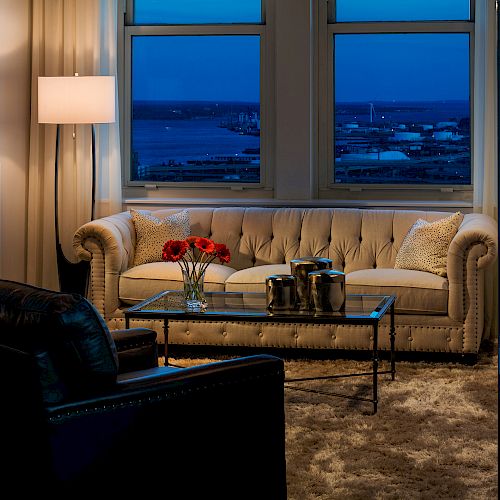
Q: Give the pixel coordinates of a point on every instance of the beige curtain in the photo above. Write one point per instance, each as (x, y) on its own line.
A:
(68, 37)
(485, 137)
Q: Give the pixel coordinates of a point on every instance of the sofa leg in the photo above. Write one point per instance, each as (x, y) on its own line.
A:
(469, 359)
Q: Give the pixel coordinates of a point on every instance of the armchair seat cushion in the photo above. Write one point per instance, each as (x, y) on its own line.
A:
(141, 282)
(253, 279)
(417, 292)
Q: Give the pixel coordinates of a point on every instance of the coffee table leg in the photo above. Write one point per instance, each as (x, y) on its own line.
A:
(127, 322)
(393, 338)
(165, 331)
(375, 367)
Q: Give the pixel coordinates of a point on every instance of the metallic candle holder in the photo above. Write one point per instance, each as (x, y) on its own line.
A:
(327, 288)
(281, 292)
(301, 269)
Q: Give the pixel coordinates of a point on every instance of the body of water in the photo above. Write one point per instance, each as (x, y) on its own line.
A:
(158, 141)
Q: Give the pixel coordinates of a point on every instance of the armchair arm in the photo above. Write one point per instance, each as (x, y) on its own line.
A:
(137, 349)
(212, 431)
(109, 244)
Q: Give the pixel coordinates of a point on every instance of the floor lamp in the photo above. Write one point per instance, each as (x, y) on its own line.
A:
(74, 100)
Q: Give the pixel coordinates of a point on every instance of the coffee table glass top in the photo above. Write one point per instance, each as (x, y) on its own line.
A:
(253, 304)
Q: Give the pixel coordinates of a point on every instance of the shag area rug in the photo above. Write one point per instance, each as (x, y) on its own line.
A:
(435, 434)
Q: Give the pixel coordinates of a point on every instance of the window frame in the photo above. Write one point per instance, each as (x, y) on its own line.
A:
(328, 28)
(266, 150)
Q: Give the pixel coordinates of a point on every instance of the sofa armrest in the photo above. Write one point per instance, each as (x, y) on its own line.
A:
(137, 349)
(109, 244)
(476, 229)
(212, 431)
(472, 251)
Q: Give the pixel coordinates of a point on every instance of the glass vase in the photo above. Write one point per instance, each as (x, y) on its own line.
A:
(193, 290)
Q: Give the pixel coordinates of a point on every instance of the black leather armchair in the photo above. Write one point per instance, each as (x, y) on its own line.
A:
(72, 420)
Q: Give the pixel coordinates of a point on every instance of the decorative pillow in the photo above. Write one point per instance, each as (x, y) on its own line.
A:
(152, 233)
(425, 247)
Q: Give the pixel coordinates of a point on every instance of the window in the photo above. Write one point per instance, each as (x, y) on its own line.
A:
(400, 92)
(194, 94)
(357, 102)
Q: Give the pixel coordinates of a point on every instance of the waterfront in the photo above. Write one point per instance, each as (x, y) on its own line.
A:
(381, 142)
(403, 143)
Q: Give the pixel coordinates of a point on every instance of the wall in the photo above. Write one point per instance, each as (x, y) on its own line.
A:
(15, 70)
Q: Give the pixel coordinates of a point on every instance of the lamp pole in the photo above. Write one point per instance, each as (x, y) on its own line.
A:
(73, 276)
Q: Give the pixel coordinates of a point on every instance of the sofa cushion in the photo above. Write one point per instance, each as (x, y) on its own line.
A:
(141, 282)
(253, 279)
(152, 233)
(417, 292)
(425, 247)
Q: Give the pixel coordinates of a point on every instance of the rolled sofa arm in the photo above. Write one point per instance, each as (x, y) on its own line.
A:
(476, 229)
(473, 249)
(109, 244)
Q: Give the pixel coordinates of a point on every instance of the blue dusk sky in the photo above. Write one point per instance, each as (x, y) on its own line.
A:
(402, 10)
(367, 68)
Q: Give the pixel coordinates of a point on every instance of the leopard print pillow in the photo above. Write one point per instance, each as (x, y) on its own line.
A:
(425, 247)
(152, 233)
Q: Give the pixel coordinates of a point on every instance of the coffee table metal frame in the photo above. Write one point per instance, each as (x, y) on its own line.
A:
(385, 304)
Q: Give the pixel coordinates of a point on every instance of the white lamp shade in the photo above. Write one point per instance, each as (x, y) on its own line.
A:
(76, 99)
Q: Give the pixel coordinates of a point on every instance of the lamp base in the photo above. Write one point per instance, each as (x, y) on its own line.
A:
(73, 277)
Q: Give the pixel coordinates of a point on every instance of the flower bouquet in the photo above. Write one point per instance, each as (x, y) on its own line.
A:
(194, 254)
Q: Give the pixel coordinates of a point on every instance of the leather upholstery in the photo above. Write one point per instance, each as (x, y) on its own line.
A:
(137, 349)
(70, 341)
(71, 424)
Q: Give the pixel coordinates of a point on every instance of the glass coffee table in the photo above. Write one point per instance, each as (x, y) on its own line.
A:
(365, 310)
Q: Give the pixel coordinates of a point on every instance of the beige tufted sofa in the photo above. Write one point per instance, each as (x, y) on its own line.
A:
(432, 313)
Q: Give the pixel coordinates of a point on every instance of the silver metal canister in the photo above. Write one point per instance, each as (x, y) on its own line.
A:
(327, 289)
(281, 292)
(301, 269)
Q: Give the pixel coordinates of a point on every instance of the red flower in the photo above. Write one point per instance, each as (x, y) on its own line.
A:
(174, 250)
(222, 252)
(191, 240)
(205, 245)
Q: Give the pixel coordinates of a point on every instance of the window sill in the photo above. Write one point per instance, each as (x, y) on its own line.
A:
(249, 202)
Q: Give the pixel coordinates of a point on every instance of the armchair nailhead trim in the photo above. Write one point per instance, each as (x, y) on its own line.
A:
(133, 345)
(57, 419)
